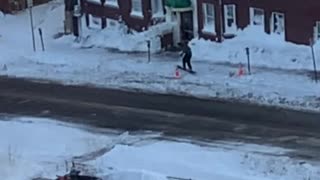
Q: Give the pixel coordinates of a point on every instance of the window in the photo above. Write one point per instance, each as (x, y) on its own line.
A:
(112, 3)
(230, 18)
(157, 8)
(257, 17)
(208, 18)
(317, 31)
(277, 23)
(136, 8)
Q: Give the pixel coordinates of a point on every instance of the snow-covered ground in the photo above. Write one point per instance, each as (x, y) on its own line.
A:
(32, 147)
(40, 147)
(89, 62)
(269, 51)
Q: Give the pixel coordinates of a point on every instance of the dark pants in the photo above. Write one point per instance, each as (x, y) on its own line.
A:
(186, 60)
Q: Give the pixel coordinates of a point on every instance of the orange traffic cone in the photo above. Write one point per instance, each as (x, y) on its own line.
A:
(177, 74)
(241, 70)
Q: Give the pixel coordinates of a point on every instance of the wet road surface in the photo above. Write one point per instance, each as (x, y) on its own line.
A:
(176, 116)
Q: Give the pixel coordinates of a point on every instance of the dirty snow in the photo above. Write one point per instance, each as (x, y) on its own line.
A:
(34, 147)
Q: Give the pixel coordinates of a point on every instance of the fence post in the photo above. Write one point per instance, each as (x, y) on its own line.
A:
(248, 59)
(149, 53)
(41, 38)
(314, 60)
(32, 30)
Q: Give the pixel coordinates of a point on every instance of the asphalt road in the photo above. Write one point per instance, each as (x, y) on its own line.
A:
(174, 115)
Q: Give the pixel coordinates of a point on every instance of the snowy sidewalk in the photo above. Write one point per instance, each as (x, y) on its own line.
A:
(113, 70)
(174, 57)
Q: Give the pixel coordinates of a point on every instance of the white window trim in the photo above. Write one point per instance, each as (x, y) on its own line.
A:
(272, 23)
(227, 29)
(252, 15)
(208, 29)
(113, 3)
(159, 12)
(136, 13)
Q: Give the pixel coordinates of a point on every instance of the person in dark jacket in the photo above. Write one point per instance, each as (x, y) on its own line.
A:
(187, 54)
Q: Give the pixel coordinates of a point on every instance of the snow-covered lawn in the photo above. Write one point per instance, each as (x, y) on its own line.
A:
(88, 62)
(32, 147)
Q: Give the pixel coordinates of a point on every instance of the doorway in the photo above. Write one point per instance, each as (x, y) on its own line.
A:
(186, 25)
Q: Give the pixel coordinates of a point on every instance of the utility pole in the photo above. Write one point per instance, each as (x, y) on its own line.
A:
(221, 20)
(30, 4)
(149, 53)
(314, 60)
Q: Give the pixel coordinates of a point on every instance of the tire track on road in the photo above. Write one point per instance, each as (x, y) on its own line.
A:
(176, 116)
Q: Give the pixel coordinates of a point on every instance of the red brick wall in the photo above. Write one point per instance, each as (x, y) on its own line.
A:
(201, 23)
(241, 11)
(4, 6)
(124, 10)
(300, 16)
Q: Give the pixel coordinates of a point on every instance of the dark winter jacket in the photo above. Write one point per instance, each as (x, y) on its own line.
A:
(186, 50)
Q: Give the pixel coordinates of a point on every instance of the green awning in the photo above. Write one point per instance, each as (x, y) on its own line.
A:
(178, 3)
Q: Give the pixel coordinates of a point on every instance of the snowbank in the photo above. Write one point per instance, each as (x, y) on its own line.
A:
(265, 50)
(186, 161)
(275, 168)
(134, 175)
(118, 38)
(13, 167)
(1, 14)
(42, 146)
(44, 19)
(30, 136)
(34, 147)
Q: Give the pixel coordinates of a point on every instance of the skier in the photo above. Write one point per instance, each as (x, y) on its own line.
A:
(187, 54)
